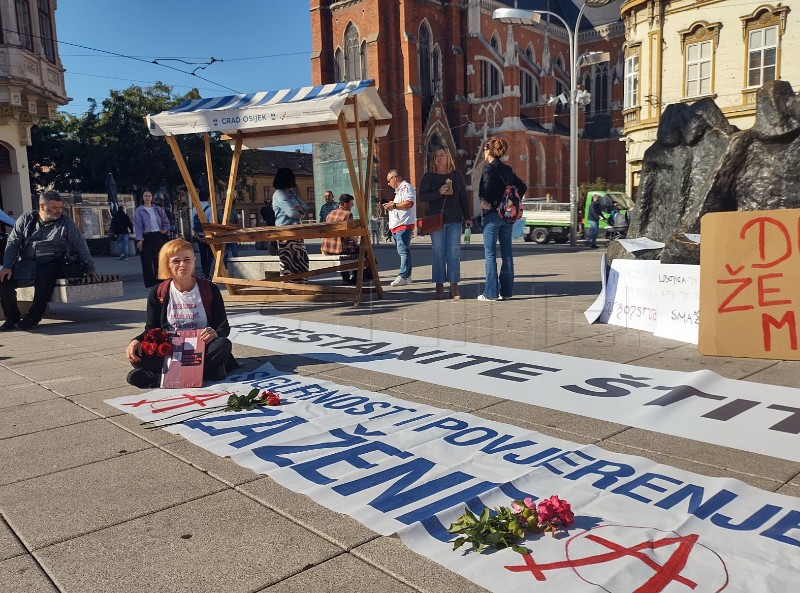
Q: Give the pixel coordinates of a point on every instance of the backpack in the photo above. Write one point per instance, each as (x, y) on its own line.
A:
(510, 208)
(205, 293)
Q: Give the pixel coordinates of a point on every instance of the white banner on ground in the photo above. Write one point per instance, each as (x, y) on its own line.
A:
(678, 302)
(700, 405)
(408, 468)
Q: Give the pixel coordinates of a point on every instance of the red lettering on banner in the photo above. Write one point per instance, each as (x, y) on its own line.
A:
(185, 399)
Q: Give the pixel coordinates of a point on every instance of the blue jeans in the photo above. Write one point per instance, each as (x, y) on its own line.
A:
(445, 247)
(122, 244)
(593, 226)
(403, 242)
(495, 228)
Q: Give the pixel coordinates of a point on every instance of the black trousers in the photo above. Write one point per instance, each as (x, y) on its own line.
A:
(151, 245)
(218, 353)
(43, 286)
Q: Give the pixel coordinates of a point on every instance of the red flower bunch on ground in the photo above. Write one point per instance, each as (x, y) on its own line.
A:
(504, 526)
(156, 343)
(271, 398)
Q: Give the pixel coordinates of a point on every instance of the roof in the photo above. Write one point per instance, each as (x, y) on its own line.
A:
(278, 118)
(568, 9)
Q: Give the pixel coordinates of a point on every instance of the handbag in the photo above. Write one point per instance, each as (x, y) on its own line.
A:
(73, 266)
(430, 224)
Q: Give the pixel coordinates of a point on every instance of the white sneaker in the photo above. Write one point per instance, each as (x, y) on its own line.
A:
(483, 298)
(400, 281)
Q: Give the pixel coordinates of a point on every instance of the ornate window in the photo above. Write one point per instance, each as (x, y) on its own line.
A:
(364, 60)
(631, 81)
(352, 53)
(338, 65)
(762, 31)
(600, 88)
(491, 80)
(530, 54)
(495, 43)
(424, 58)
(24, 24)
(46, 30)
(698, 69)
(762, 53)
(698, 44)
(529, 88)
(436, 71)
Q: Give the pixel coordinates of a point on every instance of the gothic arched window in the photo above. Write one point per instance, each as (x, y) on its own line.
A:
(600, 92)
(352, 53)
(424, 57)
(338, 65)
(363, 56)
(436, 71)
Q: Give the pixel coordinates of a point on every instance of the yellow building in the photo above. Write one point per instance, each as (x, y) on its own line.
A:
(31, 88)
(686, 50)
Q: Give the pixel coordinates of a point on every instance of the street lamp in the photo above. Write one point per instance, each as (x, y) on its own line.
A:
(514, 16)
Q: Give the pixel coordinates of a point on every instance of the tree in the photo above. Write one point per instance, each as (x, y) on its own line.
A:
(75, 153)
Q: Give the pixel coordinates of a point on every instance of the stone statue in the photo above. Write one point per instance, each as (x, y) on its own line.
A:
(700, 163)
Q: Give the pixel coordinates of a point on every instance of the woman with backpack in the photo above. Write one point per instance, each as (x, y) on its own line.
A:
(495, 179)
(183, 302)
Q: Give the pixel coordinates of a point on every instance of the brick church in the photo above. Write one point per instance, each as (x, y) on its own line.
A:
(452, 76)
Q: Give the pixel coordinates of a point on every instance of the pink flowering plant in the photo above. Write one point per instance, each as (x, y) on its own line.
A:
(504, 527)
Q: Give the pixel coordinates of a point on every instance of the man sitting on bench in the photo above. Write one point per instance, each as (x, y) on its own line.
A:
(34, 255)
(343, 245)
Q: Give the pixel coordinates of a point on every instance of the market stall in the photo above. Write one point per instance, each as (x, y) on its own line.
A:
(347, 112)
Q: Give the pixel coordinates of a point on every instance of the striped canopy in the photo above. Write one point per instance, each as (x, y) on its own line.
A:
(278, 118)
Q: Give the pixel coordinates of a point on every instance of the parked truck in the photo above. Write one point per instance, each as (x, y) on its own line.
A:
(545, 221)
(608, 228)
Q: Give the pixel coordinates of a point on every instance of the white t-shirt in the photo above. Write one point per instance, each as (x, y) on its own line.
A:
(403, 193)
(155, 222)
(185, 309)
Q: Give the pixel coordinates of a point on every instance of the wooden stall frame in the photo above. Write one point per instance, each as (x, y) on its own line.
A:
(219, 233)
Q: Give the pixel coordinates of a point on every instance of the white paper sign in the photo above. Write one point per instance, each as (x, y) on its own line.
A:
(631, 294)
(678, 302)
(640, 244)
(596, 308)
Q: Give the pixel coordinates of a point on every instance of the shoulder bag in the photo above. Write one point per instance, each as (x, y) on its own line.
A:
(430, 224)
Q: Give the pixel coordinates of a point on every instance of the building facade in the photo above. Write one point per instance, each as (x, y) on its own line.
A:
(31, 87)
(452, 76)
(680, 51)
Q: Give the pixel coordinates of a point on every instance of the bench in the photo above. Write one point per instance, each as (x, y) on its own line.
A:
(257, 267)
(75, 290)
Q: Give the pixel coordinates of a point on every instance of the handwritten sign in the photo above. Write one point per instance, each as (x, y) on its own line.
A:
(749, 296)
(631, 293)
(678, 302)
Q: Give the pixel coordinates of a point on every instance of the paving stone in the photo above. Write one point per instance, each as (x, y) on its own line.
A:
(687, 358)
(342, 530)
(90, 380)
(790, 489)
(95, 401)
(42, 415)
(9, 544)
(155, 436)
(782, 372)
(88, 367)
(442, 397)
(342, 573)
(224, 542)
(76, 501)
(218, 467)
(39, 454)
(9, 377)
(390, 555)
(363, 379)
(25, 393)
(23, 575)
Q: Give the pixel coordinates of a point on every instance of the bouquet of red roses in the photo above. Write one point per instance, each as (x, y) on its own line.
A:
(156, 343)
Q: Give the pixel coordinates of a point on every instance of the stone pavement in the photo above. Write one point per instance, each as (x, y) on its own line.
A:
(90, 501)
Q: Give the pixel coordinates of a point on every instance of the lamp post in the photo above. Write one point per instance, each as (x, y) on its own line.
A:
(514, 16)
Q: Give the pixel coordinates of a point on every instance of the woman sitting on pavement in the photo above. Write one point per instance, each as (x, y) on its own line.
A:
(166, 309)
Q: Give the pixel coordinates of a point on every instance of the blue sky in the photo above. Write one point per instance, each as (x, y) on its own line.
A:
(264, 45)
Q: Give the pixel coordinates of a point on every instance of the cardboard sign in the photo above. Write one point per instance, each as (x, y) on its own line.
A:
(678, 302)
(749, 301)
(184, 368)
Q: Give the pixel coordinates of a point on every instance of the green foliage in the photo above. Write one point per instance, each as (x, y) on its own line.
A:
(497, 530)
(237, 403)
(75, 153)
